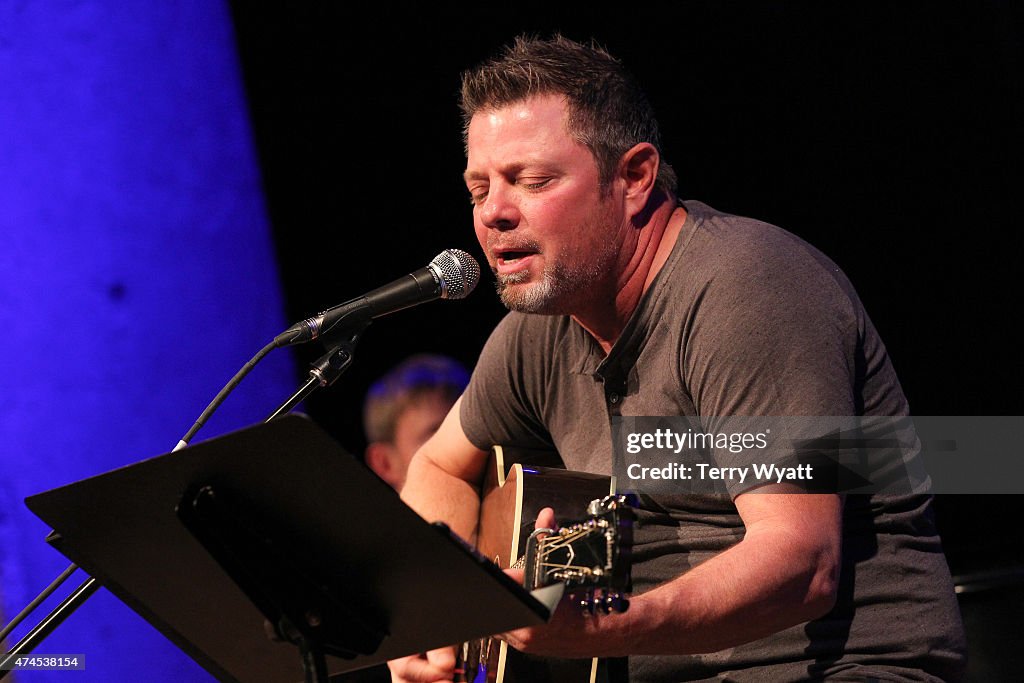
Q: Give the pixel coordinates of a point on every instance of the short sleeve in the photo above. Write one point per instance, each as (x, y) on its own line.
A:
(501, 405)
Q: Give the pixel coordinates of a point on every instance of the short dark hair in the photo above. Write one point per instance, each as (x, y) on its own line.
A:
(405, 384)
(608, 111)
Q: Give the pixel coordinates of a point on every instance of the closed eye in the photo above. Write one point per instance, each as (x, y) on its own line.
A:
(477, 195)
(533, 183)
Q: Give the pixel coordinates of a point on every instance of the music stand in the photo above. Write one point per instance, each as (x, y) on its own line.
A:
(293, 498)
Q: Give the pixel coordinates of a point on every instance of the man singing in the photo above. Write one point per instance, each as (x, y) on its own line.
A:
(627, 301)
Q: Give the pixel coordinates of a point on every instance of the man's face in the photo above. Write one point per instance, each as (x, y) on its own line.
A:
(550, 235)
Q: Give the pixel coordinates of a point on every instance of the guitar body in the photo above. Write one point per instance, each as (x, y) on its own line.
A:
(513, 495)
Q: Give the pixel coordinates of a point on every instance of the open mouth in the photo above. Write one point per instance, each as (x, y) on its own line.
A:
(510, 257)
(513, 262)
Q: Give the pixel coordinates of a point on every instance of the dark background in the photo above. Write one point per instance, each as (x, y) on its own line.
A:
(885, 134)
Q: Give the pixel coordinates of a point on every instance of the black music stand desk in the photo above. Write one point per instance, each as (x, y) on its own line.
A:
(413, 586)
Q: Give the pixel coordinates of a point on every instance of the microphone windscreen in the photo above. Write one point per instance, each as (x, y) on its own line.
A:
(459, 272)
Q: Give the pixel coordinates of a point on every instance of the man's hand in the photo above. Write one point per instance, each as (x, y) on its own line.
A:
(436, 666)
(571, 632)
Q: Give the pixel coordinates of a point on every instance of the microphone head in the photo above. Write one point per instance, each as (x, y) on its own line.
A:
(457, 271)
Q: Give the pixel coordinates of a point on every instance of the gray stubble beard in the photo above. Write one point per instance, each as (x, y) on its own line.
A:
(558, 290)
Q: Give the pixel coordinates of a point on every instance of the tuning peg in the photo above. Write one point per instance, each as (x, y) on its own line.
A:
(615, 602)
(585, 601)
(593, 601)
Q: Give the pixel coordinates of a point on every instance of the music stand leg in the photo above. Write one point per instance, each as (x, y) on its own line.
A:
(314, 663)
(50, 623)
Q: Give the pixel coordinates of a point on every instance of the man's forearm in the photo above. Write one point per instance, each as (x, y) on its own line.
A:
(757, 588)
(784, 572)
(439, 496)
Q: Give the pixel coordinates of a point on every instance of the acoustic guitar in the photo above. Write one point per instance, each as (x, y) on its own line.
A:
(589, 553)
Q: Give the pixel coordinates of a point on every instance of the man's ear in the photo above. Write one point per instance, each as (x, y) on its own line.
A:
(380, 457)
(638, 169)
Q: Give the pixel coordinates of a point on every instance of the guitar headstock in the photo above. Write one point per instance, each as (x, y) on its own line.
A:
(591, 556)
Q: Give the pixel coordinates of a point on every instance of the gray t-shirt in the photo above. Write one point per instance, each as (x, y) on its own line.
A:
(743, 319)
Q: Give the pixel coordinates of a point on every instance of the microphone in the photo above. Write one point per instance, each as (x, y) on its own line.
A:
(451, 275)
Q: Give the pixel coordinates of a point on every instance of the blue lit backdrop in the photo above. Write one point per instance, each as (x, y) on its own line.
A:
(136, 273)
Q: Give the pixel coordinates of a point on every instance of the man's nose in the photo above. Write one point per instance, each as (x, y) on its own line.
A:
(499, 211)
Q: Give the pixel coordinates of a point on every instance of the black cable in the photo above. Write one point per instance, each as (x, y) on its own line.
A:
(228, 388)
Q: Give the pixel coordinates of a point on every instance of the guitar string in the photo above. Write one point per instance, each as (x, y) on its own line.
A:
(558, 543)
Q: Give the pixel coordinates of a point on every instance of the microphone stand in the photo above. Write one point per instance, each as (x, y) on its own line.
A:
(323, 373)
